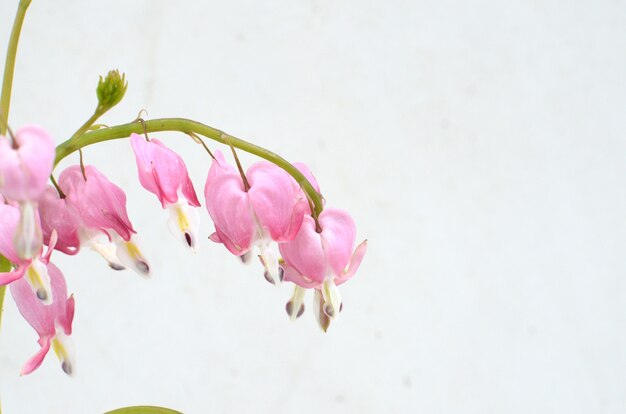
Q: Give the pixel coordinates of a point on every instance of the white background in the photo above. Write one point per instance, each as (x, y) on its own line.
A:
(478, 145)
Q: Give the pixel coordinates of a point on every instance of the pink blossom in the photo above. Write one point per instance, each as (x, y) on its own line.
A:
(105, 226)
(34, 270)
(53, 323)
(57, 215)
(271, 209)
(323, 259)
(100, 203)
(163, 173)
(25, 165)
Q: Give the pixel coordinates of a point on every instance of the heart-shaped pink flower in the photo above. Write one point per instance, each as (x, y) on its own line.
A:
(101, 206)
(163, 173)
(323, 259)
(271, 209)
(53, 323)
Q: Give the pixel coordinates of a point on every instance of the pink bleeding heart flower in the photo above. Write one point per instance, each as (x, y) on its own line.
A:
(271, 209)
(53, 323)
(33, 270)
(163, 173)
(105, 227)
(25, 165)
(57, 216)
(322, 258)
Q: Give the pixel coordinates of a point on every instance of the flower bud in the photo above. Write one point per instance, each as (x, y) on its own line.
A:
(111, 90)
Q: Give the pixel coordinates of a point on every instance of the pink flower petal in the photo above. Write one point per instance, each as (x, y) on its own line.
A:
(228, 206)
(66, 322)
(215, 238)
(304, 169)
(293, 276)
(35, 361)
(355, 262)
(338, 235)
(305, 253)
(41, 317)
(57, 215)
(162, 171)
(275, 200)
(24, 171)
(9, 218)
(9, 277)
(100, 203)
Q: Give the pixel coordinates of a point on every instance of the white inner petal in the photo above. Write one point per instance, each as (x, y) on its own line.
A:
(332, 297)
(262, 240)
(130, 255)
(297, 299)
(64, 349)
(28, 239)
(183, 223)
(100, 243)
(270, 261)
(39, 281)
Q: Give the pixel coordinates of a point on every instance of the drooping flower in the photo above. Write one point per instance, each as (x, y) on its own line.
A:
(105, 226)
(25, 165)
(53, 322)
(321, 259)
(33, 270)
(57, 216)
(163, 173)
(271, 209)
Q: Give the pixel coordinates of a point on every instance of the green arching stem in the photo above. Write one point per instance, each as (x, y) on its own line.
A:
(188, 126)
(9, 64)
(97, 114)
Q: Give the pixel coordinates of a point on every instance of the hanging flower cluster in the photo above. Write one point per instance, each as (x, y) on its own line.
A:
(251, 212)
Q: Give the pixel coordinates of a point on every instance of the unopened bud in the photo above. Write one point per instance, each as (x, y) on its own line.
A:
(111, 90)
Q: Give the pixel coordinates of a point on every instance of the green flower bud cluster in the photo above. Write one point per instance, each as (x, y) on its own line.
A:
(111, 90)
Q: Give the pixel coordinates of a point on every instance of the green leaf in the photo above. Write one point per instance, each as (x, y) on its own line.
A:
(144, 409)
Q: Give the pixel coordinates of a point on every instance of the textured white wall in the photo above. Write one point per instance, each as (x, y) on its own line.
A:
(479, 145)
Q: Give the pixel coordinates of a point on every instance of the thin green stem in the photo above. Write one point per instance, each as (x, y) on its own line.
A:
(97, 114)
(56, 186)
(5, 266)
(246, 184)
(201, 142)
(9, 63)
(188, 126)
